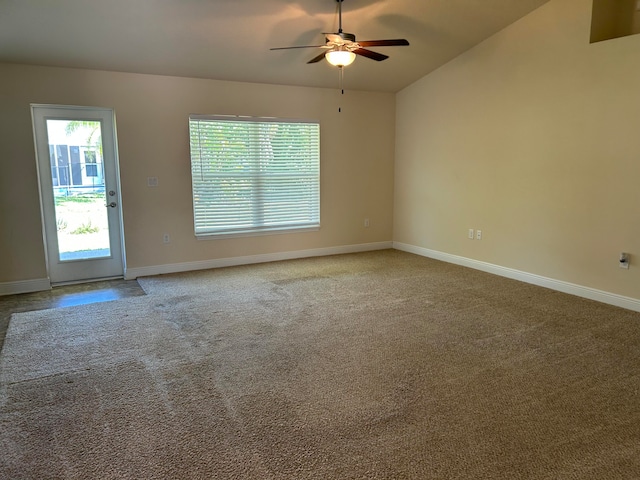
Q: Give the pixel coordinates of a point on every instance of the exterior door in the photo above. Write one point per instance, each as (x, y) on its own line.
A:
(79, 191)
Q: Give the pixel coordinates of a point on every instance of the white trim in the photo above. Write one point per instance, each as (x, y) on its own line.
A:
(25, 286)
(132, 273)
(559, 285)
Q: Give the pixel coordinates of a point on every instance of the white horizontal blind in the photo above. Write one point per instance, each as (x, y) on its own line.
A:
(254, 174)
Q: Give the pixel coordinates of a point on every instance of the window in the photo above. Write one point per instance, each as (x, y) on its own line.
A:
(90, 163)
(253, 175)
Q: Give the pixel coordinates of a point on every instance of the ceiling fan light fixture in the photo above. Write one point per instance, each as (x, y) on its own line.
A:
(340, 58)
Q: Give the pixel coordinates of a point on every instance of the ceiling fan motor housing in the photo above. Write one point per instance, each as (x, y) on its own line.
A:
(349, 37)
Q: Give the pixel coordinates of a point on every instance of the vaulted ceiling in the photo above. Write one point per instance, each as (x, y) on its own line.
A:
(231, 39)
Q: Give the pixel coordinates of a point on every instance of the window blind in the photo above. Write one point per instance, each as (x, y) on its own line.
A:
(252, 175)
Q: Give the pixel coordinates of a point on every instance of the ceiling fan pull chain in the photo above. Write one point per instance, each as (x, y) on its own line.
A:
(341, 70)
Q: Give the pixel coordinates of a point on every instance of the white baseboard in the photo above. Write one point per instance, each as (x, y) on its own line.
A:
(25, 286)
(559, 285)
(133, 273)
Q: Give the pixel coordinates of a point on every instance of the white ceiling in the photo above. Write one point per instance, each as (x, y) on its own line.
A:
(230, 39)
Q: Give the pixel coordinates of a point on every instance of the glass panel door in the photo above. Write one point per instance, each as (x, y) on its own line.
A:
(79, 187)
(77, 171)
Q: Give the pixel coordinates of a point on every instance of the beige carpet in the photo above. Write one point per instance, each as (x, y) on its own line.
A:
(375, 365)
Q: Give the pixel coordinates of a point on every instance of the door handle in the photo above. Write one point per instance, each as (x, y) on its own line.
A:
(112, 205)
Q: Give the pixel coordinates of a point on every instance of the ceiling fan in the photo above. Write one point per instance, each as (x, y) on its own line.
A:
(341, 47)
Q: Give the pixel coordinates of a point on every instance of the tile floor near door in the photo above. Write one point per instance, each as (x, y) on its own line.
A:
(65, 296)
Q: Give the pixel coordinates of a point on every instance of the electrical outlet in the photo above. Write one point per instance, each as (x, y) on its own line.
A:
(166, 238)
(478, 234)
(152, 181)
(471, 233)
(366, 223)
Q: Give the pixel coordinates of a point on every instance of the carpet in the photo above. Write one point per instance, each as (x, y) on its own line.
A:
(379, 365)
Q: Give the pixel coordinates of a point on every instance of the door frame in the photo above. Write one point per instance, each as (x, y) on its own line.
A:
(44, 112)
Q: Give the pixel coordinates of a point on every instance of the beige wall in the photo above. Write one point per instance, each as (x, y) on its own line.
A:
(534, 138)
(357, 148)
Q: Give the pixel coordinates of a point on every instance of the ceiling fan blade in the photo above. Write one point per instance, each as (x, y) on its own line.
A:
(384, 43)
(301, 46)
(317, 59)
(369, 54)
